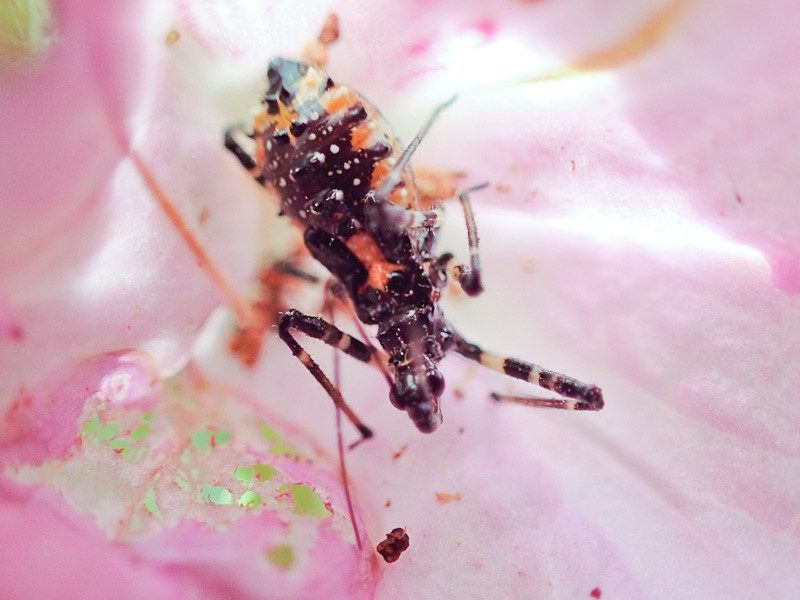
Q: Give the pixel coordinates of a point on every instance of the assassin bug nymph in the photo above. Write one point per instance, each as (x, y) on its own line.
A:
(344, 179)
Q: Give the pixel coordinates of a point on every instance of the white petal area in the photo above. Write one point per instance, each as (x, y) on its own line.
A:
(686, 481)
(90, 263)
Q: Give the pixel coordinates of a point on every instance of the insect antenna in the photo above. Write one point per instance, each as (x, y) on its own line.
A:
(395, 175)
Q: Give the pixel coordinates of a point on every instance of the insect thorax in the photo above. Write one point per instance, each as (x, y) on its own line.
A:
(326, 151)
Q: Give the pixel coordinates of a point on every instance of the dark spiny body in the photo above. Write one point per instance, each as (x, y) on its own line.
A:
(328, 154)
(323, 164)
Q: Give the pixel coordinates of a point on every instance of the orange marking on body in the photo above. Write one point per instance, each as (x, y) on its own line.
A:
(260, 155)
(284, 118)
(261, 121)
(361, 136)
(370, 255)
(381, 170)
(408, 200)
(340, 98)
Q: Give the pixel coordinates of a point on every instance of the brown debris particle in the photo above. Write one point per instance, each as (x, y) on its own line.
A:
(276, 284)
(203, 216)
(316, 52)
(172, 37)
(400, 452)
(394, 545)
(330, 29)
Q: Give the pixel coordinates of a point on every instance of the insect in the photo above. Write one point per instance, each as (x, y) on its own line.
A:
(345, 181)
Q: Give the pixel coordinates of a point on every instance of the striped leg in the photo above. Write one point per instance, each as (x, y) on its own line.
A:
(335, 293)
(334, 337)
(576, 395)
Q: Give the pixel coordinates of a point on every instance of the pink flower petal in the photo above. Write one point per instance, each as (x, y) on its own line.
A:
(642, 272)
(185, 484)
(641, 234)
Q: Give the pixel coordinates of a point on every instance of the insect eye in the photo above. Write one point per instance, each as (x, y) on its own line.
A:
(435, 382)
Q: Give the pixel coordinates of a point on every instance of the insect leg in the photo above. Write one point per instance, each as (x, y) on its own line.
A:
(470, 277)
(576, 394)
(390, 216)
(243, 156)
(334, 337)
(336, 293)
(288, 267)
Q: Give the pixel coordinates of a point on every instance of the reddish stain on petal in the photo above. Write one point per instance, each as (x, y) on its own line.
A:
(486, 27)
(420, 47)
(445, 497)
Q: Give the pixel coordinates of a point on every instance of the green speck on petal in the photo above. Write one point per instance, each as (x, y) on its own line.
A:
(282, 556)
(216, 494)
(140, 432)
(220, 437)
(25, 28)
(281, 448)
(250, 499)
(306, 502)
(243, 474)
(186, 456)
(108, 432)
(268, 432)
(264, 472)
(150, 503)
(122, 446)
(202, 439)
(147, 416)
(92, 424)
